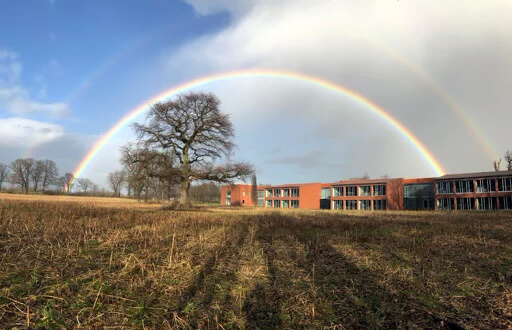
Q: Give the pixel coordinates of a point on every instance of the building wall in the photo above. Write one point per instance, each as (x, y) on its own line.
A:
(240, 195)
(310, 194)
(494, 195)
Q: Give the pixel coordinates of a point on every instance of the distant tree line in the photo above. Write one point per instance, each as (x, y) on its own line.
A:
(27, 175)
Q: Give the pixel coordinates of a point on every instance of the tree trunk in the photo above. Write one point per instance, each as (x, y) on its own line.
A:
(184, 186)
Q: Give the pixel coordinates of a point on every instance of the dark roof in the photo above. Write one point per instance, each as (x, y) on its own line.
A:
(476, 175)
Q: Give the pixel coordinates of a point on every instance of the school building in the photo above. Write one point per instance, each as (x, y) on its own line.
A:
(469, 191)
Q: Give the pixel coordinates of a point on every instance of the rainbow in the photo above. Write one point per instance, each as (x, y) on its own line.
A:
(255, 73)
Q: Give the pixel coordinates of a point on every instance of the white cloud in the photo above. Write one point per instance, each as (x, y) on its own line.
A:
(399, 54)
(21, 132)
(16, 99)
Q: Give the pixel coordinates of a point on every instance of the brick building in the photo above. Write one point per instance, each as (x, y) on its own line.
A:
(470, 191)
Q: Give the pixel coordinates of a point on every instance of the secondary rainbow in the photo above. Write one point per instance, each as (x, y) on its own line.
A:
(255, 73)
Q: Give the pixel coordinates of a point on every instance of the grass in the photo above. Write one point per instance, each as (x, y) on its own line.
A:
(82, 262)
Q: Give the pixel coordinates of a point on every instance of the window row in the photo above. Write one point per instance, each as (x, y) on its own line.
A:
(479, 186)
(282, 203)
(378, 190)
(363, 205)
(294, 192)
(479, 203)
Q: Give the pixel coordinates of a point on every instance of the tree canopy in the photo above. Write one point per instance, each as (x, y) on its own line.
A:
(194, 131)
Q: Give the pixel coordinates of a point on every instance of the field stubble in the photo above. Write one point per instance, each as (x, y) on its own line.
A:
(70, 263)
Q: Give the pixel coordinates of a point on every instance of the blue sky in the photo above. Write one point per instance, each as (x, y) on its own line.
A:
(69, 70)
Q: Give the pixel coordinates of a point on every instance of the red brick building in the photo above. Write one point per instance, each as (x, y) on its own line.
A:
(472, 191)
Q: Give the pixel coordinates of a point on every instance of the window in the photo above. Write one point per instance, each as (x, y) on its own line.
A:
(243, 193)
(444, 204)
(243, 201)
(486, 203)
(351, 205)
(379, 204)
(350, 191)
(268, 193)
(277, 203)
(465, 203)
(379, 190)
(277, 192)
(364, 205)
(364, 190)
(484, 185)
(505, 184)
(444, 187)
(228, 197)
(295, 192)
(505, 203)
(325, 193)
(285, 192)
(337, 205)
(294, 204)
(285, 204)
(260, 201)
(261, 193)
(337, 191)
(465, 186)
(268, 203)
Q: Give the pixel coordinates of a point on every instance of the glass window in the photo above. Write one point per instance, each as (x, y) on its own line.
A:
(350, 191)
(364, 205)
(465, 186)
(486, 203)
(325, 193)
(364, 190)
(260, 201)
(464, 203)
(295, 192)
(268, 203)
(505, 184)
(484, 185)
(379, 204)
(351, 205)
(268, 193)
(285, 192)
(337, 191)
(260, 194)
(506, 203)
(294, 204)
(277, 192)
(444, 187)
(444, 204)
(277, 203)
(337, 205)
(285, 204)
(379, 190)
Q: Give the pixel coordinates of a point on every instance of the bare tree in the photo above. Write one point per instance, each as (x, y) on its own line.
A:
(194, 129)
(144, 168)
(50, 173)
(365, 176)
(254, 190)
(508, 159)
(84, 184)
(21, 171)
(4, 173)
(496, 165)
(37, 173)
(68, 181)
(116, 181)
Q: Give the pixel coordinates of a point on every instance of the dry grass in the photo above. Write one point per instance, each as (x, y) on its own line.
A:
(74, 262)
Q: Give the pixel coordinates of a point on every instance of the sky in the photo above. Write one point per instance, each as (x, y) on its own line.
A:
(70, 70)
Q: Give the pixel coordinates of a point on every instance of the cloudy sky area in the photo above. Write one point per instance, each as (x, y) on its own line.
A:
(70, 70)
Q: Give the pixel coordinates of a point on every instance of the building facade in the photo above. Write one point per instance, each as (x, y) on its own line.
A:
(470, 191)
